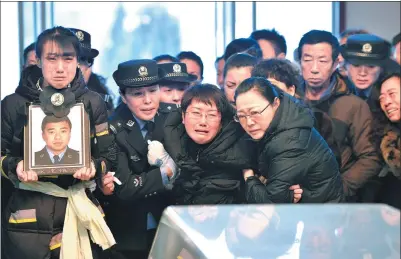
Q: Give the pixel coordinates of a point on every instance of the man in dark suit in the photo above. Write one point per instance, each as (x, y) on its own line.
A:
(143, 166)
(56, 132)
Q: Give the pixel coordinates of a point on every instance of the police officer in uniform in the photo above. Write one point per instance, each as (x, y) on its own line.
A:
(367, 59)
(144, 167)
(56, 132)
(70, 157)
(175, 82)
(94, 82)
(173, 85)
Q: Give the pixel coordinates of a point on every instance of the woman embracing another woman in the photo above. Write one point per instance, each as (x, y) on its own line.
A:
(290, 150)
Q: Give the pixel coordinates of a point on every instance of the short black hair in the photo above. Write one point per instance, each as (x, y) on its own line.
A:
(166, 57)
(60, 35)
(261, 85)
(350, 32)
(277, 40)
(239, 60)
(192, 56)
(280, 69)
(387, 72)
(315, 37)
(396, 39)
(218, 59)
(53, 119)
(86, 61)
(208, 93)
(243, 45)
(31, 47)
(295, 55)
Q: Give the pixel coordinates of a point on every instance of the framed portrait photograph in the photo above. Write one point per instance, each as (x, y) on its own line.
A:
(56, 145)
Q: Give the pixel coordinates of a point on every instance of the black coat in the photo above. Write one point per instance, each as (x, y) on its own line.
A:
(97, 83)
(212, 173)
(369, 192)
(46, 213)
(293, 152)
(142, 189)
(70, 157)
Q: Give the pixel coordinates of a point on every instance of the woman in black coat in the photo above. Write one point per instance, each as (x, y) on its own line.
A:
(33, 221)
(207, 147)
(290, 150)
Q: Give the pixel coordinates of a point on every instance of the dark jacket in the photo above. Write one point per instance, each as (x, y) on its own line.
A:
(70, 157)
(41, 217)
(370, 96)
(97, 83)
(142, 190)
(369, 192)
(293, 152)
(323, 124)
(352, 124)
(211, 173)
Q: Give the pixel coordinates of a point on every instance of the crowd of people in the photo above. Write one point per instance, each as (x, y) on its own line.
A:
(322, 129)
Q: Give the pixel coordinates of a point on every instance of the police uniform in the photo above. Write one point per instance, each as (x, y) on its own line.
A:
(141, 197)
(176, 77)
(369, 50)
(166, 108)
(96, 83)
(70, 157)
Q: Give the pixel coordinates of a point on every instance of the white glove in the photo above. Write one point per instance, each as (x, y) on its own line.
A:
(158, 156)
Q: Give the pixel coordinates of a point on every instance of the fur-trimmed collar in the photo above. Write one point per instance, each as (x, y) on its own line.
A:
(390, 150)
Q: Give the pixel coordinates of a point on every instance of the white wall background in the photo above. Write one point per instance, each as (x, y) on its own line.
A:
(380, 18)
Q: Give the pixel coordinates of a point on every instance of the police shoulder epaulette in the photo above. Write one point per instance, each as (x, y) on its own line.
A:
(168, 107)
(115, 126)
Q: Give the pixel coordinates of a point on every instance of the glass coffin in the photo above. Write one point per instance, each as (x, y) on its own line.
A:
(278, 231)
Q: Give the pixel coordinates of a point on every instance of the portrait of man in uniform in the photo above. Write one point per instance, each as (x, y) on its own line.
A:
(56, 133)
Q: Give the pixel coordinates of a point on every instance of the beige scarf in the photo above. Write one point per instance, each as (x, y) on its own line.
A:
(81, 216)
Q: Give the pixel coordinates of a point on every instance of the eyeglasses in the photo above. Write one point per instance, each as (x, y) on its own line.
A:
(209, 117)
(254, 115)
